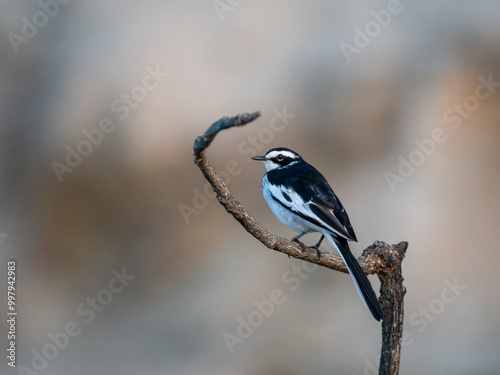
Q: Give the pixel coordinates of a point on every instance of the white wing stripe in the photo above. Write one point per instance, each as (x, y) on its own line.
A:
(297, 204)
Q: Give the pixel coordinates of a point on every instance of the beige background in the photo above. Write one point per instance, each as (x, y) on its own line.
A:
(119, 207)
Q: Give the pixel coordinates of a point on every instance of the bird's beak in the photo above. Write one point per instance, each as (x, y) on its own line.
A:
(259, 158)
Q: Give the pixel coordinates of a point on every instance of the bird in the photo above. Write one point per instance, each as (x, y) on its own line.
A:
(300, 196)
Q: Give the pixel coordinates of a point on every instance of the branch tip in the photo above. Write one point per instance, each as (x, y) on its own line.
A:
(203, 141)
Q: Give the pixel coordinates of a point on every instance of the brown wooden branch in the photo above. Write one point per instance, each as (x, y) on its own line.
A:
(380, 258)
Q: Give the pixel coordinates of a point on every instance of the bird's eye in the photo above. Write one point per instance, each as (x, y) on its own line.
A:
(280, 157)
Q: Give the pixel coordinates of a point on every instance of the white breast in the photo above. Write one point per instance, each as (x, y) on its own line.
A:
(288, 218)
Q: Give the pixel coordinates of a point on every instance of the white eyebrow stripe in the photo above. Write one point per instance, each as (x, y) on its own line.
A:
(284, 153)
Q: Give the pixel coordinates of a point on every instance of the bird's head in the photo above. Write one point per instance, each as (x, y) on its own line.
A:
(278, 158)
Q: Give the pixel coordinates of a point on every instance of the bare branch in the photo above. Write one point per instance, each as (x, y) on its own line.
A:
(380, 258)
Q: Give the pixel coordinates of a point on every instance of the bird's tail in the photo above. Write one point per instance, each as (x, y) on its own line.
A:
(361, 282)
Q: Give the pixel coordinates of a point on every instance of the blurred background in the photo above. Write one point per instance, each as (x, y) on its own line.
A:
(397, 104)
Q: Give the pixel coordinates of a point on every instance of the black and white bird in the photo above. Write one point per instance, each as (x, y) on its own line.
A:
(303, 200)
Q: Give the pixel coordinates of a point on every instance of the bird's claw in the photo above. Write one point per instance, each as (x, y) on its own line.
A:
(303, 247)
(316, 247)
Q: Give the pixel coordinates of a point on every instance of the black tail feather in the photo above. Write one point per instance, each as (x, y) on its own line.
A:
(362, 283)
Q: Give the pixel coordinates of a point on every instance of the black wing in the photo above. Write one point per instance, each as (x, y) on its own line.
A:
(318, 197)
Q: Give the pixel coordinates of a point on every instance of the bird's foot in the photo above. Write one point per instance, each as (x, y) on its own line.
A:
(296, 240)
(303, 247)
(316, 247)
